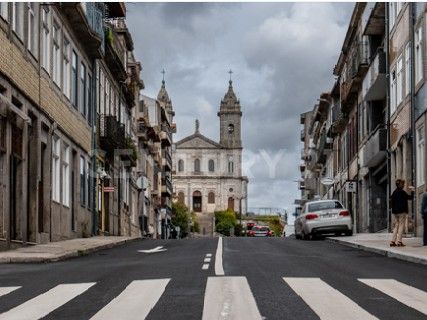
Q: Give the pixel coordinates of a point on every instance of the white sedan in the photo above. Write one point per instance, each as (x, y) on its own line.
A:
(323, 217)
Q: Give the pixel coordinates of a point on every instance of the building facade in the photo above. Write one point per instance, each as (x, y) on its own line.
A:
(207, 174)
(376, 117)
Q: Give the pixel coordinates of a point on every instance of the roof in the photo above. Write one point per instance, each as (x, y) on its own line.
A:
(197, 141)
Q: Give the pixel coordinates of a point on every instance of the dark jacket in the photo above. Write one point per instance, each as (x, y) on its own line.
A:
(424, 206)
(399, 201)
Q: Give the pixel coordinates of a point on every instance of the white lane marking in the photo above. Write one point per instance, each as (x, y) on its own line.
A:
(207, 260)
(7, 290)
(412, 297)
(154, 250)
(208, 255)
(45, 303)
(229, 298)
(219, 270)
(327, 302)
(135, 302)
(205, 266)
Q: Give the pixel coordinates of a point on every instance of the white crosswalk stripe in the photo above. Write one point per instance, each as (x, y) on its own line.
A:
(412, 297)
(229, 298)
(7, 290)
(225, 298)
(45, 303)
(327, 302)
(135, 302)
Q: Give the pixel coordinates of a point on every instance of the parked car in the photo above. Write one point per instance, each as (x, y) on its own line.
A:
(260, 231)
(323, 217)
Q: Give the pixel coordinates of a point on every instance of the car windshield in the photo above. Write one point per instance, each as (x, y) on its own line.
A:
(261, 229)
(317, 206)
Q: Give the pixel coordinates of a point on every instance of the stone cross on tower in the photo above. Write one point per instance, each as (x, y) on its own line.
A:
(197, 126)
(230, 72)
(163, 73)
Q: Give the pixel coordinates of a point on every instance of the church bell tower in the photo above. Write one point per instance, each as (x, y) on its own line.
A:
(230, 116)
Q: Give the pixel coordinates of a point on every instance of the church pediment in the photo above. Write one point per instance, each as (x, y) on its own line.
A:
(197, 141)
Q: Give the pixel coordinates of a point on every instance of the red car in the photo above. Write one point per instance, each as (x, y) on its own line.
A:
(260, 231)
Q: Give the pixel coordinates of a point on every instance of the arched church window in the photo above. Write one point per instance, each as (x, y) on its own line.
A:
(197, 165)
(211, 165)
(211, 197)
(180, 165)
(181, 197)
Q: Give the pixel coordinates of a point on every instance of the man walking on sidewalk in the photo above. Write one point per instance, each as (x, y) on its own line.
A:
(399, 208)
(424, 215)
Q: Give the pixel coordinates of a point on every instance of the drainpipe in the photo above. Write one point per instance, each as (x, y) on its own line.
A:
(412, 130)
(387, 71)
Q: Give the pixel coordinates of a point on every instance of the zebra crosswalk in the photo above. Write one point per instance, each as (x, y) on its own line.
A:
(225, 297)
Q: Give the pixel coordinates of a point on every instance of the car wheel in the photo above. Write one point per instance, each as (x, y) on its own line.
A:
(297, 236)
(349, 233)
(306, 236)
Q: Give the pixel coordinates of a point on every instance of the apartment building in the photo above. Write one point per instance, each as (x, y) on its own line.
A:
(156, 127)
(46, 121)
(377, 116)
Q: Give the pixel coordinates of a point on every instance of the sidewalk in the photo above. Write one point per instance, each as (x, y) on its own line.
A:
(379, 243)
(61, 250)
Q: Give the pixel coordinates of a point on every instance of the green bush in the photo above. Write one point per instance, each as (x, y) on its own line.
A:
(238, 230)
(225, 221)
(275, 226)
(195, 227)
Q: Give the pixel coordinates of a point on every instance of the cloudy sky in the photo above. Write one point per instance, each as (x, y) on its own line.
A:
(282, 56)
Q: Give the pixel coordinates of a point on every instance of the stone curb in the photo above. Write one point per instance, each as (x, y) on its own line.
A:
(66, 255)
(383, 252)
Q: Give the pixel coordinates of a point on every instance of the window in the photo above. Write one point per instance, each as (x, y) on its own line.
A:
(399, 80)
(101, 108)
(181, 197)
(83, 91)
(66, 69)
(88, 184)
(74, 81)
(89, 98)
(393, 92)
(230, 165)
(82, 181)
(56, 68)
(211, 197)
(407, 69)
(197, 165)
(180, 165)
(18, 18)
(45, 39)
(56, 149)
(395, 8)
(211, 166)
(418, 55)
(421, 160)
(4, 10)
(66, 177)
(32, 28)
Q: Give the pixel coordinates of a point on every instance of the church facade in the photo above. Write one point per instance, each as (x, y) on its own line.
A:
(208, 174)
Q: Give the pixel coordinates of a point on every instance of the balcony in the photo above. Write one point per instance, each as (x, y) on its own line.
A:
(339, 120)
(166, 136)
(302, 167)
(373, 19)
(87, 21)
(375, 148)
(108, 127)
(115, 53)
(167, 161)
(130, 154)
(302, 136)
(357, 66)
(166, 186)
(141, 131)
(375, 82)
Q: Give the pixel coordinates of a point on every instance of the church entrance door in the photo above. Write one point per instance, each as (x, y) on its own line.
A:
(231, 203)
(197, 201)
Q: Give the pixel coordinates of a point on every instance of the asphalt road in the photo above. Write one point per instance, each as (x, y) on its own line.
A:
(272, 278)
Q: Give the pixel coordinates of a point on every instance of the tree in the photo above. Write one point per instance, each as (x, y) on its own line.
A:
(225, 221)
(181, 218)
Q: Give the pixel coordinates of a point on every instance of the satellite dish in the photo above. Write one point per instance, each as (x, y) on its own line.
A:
(327, 181)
